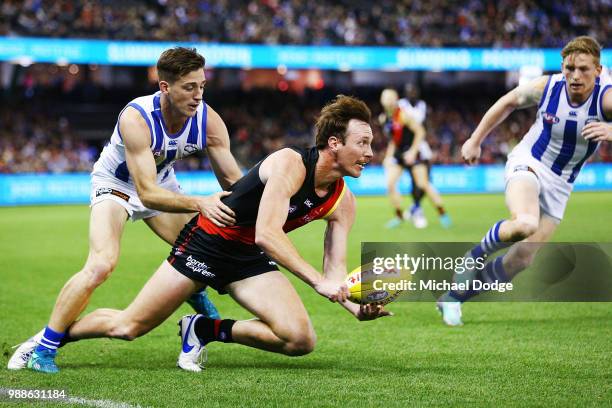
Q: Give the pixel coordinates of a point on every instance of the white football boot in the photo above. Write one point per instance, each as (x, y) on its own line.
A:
(19, 359)
(449, 307)
(417, 216)
(193, 354)
(451, 313)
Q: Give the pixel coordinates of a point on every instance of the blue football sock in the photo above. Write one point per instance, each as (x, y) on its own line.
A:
(492, 272)
(50, 340)
(491, 242)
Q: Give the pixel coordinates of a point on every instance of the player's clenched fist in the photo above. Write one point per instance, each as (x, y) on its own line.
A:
(333, 290)
(213, 209)
(470, 151)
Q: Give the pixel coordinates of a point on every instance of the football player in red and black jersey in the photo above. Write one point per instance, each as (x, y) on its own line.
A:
(408, 150)
(286, 190)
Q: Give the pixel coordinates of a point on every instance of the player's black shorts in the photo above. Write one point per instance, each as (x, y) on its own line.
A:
(214, 260)
(400, 160)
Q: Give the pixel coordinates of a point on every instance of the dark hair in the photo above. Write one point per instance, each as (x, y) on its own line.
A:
(335, 117)
(584, 45)
(178, 61)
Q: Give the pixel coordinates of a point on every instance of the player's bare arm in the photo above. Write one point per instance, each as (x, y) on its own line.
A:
(601, 131)
(388, 160)
(339, 224)
(419, 135)
(141, 164)
(218, 148)
(283, 173)
(523, 96)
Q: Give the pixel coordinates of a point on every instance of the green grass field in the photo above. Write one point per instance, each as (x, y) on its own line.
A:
(507, 354)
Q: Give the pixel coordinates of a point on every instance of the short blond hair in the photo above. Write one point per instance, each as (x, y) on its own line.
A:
(583, 45)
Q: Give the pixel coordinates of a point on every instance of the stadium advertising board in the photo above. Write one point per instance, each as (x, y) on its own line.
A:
(29, 50)
(26, 189)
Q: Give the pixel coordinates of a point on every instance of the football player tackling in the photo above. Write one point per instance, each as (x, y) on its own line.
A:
(286, 190)
(134, 179)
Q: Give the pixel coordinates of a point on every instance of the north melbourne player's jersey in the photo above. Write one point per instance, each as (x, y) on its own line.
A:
(418, 111)
(166, 147)
(555, 137)
(304, 206)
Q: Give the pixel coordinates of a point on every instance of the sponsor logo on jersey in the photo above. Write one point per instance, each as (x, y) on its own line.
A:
(308, 203)
(198, 267)
(190, 148)
(550, 118)
(172, 143)
(292, 209)
(573, 113)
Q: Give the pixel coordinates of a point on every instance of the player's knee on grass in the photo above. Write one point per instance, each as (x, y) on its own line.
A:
(97, 271)
(300, 339)
(301, 344)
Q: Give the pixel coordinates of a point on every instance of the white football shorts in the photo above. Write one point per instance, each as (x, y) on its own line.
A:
(104, 187)
(553, 190)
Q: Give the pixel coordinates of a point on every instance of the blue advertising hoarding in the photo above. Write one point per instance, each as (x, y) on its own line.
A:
(27, 189)
(55, 50)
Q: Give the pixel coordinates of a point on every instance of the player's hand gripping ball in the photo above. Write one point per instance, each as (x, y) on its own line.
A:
(364, 290)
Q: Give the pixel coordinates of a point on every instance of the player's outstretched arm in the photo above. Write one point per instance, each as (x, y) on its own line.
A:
(283, 173)
(601, 131)
(339, 224)
(218, 148)
(523, 96)
(142, 168)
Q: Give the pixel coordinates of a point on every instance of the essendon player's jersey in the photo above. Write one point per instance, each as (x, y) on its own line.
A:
(402, 136)
(305, 206)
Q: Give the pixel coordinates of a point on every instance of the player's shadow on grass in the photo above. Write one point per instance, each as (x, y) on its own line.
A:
(164, 364)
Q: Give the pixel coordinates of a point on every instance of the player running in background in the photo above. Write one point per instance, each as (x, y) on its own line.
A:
(286, 190)
(574, 114)
(417, 109)
(134, 179)
(407, 149)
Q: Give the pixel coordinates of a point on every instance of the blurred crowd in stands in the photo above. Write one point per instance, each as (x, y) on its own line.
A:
(471, 23)
(36, 141)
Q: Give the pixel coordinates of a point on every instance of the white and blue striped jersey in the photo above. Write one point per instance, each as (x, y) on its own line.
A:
(555, 137)
(418, 111)
(166, 147)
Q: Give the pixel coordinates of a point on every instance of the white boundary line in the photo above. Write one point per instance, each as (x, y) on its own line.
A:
(4, 393)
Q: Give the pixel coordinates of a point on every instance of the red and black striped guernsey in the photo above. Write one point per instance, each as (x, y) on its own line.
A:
(305, 206)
